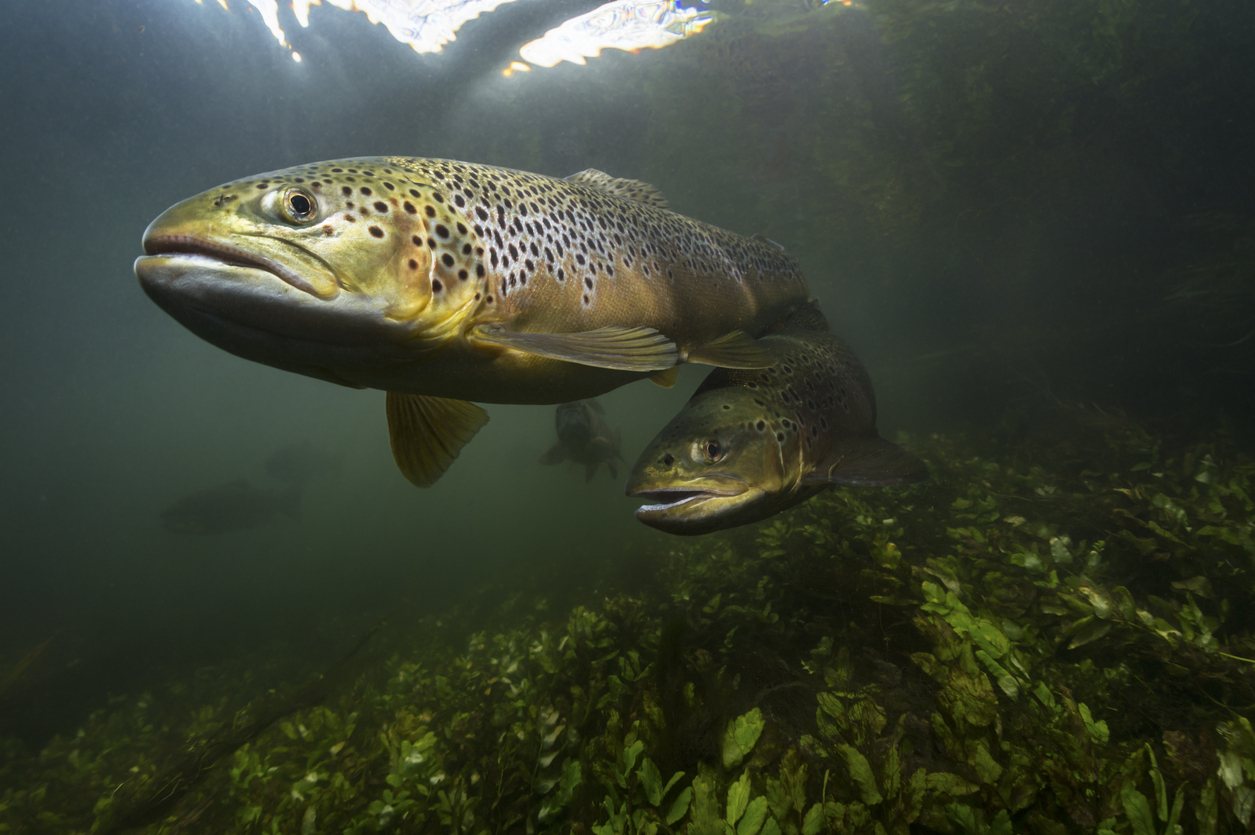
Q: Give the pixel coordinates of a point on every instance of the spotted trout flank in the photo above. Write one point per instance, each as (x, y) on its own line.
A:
(751, 443)
(446, 282)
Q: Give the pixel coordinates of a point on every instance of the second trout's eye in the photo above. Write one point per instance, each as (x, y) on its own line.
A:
(298, 206)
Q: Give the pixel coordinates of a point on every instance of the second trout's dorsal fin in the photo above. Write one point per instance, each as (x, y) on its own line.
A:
(427, 433)
(868, 462)
(619, 187)
(732, 350)
(807, 317)
(622, 349)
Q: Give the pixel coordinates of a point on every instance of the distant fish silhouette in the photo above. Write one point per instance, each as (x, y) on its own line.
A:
(233, 506)
(15, 672)
(584, 437)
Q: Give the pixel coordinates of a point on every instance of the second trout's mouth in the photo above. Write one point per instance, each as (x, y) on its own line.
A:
(700, 506)
(670, 498)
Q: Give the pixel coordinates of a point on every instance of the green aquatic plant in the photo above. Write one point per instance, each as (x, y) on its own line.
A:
(1014, 647)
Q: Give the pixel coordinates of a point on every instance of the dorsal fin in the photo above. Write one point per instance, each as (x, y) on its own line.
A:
(763, 239)
(807, 317)
(619, 187)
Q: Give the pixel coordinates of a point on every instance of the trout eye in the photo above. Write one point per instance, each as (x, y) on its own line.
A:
(299, 206)
(713, 451)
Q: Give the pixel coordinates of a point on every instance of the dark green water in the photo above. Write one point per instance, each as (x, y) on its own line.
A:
(1035, 222)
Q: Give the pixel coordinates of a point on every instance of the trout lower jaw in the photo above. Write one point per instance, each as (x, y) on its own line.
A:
(264, 299)
(255, 314)
(312, 276)
(690, 510)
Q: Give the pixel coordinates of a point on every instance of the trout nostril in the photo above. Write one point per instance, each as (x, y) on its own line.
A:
(668, 460)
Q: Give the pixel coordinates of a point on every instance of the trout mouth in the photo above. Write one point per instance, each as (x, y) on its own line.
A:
(671, 498)
(705, 504)
(230, 256)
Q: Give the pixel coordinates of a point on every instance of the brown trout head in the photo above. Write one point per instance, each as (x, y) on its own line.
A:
(752, 443)
(331, 269)
(718, 464)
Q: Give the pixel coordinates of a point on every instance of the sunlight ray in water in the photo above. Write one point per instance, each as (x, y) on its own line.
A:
(428, 25)
(630, 25)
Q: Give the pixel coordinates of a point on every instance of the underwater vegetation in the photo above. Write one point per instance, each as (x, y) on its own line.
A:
(1053, 635)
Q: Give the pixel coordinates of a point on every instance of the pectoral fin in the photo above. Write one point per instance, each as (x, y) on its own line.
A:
(621, 349)
(732, 350)
(427, 433)
(868, 462)
(666, 378)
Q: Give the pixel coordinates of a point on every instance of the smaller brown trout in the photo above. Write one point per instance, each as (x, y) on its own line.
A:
(750, 444)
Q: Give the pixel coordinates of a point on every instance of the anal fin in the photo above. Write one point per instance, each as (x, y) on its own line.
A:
(868, 462)
(666, 378)
(623, 349)
(732, 350)
(427, 433)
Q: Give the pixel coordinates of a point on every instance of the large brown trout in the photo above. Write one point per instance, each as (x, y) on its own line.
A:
(750, 444)
(444, 282)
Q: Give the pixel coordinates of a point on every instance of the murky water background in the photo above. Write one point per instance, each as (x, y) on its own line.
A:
(997, 207)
